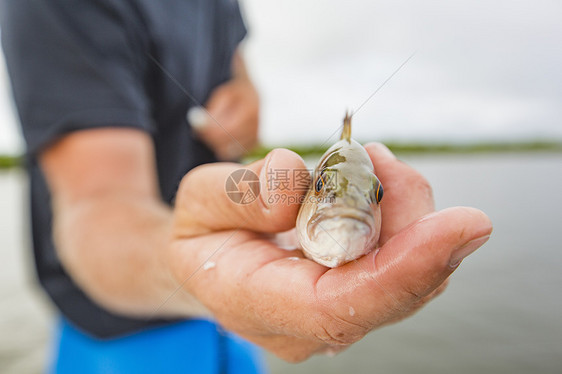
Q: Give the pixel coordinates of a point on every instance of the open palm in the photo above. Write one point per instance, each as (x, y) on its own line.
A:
(293, 306)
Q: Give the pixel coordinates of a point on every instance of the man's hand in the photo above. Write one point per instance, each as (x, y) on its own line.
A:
(231, 129)
(293, 306)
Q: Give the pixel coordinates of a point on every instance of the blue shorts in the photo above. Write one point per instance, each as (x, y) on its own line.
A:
(194, 346)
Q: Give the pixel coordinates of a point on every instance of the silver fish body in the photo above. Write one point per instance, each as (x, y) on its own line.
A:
(340, 218)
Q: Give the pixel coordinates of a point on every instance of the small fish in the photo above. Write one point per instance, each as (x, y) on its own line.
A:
(340, 218)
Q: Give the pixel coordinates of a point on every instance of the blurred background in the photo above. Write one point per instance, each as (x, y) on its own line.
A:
(477, 110)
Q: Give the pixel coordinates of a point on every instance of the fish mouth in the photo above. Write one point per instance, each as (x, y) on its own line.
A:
(339, 238)
(337, 222)
(359, 215)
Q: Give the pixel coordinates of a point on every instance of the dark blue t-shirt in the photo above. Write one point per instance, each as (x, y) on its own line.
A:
(79, 64)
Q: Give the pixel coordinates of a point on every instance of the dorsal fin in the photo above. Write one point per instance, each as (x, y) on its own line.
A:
(346, 132)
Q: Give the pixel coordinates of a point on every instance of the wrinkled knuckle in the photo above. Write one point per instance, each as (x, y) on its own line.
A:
(335, 331)
(414, 294)
(334, 336)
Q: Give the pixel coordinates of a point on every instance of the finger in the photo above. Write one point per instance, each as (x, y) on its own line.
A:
(426, 299)
(408, 267)
(416, 306)
(261, 196)
(216, 123)
(438, 291)
(230, 150)
(218, 133)
(407, 194)
(235, 136)
(221, 101)
(237, 139)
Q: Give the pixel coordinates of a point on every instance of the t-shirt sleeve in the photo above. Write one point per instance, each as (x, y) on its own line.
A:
(237, 24)
(74, 65)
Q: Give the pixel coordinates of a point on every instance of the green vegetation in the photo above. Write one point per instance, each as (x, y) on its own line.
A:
(429, 148)
(314, 150)
(7, 161)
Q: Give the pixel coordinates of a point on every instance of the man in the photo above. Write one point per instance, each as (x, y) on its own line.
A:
(121, 232)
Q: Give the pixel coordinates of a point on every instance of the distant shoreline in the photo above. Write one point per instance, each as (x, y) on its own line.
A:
(13, 161)
(428, 148)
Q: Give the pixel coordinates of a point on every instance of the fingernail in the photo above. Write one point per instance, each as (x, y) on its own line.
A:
(463, 251)
(264, 183)
(383, 149)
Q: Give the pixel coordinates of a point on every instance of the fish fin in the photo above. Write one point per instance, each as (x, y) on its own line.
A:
(346, 133)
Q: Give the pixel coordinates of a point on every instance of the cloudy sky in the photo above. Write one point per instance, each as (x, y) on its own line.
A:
(484, 70)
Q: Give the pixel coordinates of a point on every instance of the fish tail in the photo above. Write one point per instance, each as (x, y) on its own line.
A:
(346, 133)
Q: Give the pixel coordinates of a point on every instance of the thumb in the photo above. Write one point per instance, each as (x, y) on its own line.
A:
(263, 196)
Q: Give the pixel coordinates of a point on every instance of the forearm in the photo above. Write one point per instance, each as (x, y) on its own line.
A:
(112, 246)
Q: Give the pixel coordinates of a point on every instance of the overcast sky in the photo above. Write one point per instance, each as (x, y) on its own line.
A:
(483, 70)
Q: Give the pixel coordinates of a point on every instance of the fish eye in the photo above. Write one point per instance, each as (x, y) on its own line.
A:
(377, 191)
(319, 184)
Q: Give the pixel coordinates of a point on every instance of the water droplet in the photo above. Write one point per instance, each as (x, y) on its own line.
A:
(209, 265)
